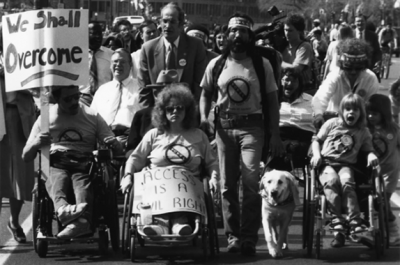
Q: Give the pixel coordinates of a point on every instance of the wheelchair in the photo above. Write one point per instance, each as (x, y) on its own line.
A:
(373, 204)
(105, 220)
(204, 225)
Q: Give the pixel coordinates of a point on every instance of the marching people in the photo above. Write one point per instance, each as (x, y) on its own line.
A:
(247, 92)
(16, 177)
(173, 50)
(99, 64)
(74, 132)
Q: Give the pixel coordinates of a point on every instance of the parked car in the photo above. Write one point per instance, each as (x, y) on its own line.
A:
(134, 20)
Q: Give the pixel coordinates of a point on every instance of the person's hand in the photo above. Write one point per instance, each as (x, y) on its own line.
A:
(111, 141)
(126, 183)
(318, 121)
(214, 184)
(315, 161)
(373, 160)
(43, 139)
(276, 148)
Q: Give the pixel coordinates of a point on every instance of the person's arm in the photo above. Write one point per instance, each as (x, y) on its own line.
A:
(35, 141)
(205, 106)
(200, 65)
(316, 158)
(275, 143)
(146, 98)
(324, 94)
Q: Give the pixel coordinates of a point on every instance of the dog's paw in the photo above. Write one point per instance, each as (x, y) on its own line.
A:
(275, 253)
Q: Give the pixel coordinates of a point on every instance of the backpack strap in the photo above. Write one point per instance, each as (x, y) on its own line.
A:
(216, 72)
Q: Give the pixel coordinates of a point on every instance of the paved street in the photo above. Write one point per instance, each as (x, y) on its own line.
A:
(13, 253)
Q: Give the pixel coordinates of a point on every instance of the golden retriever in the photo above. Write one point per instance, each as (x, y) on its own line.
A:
(279, 199)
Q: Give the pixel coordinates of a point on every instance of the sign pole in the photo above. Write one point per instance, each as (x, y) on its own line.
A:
(44, 125)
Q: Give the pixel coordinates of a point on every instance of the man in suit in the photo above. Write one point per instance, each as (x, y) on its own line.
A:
(188, 55)
(124, 27)
(370, 37)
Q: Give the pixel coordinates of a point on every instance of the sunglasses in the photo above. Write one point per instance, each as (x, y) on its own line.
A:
(178, 108)
(353, 68)
(70, 98)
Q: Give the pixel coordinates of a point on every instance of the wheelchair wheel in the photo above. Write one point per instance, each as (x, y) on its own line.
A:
(42, 247)
(103, 242)
(132, 250)
(35, 218)
(306, 195)
(125, 222)
(311, 211)
(378, 244)
(113, 218)
(212, 225)
(318, 245)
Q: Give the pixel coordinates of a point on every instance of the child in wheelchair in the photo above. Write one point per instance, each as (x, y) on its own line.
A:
(386, 142)
(335, 149)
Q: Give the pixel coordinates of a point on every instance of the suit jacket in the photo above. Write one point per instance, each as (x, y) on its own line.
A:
(372, 39)
(191, 60)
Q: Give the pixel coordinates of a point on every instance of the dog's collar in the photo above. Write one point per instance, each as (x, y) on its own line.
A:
(288, 200)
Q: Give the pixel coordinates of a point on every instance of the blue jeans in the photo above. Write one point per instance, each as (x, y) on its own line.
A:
(339, 191)
(239, 152)
(59, 185)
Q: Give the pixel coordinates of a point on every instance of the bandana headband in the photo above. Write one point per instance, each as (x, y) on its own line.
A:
(348, 58)
(239, 22)
(198, 34)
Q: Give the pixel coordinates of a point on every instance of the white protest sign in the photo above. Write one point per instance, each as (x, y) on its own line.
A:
(46, 48)
(169, 189)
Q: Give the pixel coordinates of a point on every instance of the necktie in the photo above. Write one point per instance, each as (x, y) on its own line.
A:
(360, 35)
(115, 102)
(171, 58)
(93, 78)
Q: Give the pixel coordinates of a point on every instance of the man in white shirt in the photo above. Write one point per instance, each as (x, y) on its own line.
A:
(117, 100)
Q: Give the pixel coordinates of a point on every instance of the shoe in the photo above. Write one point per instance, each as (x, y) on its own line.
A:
(181, 229)
(17, 233)
(357, 225)
(337, 224)
(248, 248)
(77, 228)
(233, 245)
(394, 235)
(154, 230)
(367, 241)
(68, 213)
(338, 241)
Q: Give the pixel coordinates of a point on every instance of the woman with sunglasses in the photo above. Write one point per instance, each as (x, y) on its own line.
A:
(173, 117)
(352, 77)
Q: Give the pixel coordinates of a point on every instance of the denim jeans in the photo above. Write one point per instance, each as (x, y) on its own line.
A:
(239, 152)
(59, 185)
(339, 191)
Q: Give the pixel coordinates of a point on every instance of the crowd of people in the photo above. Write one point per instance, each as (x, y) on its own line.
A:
(156, 90)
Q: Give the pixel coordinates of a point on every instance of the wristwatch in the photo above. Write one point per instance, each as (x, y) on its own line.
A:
(127, 174)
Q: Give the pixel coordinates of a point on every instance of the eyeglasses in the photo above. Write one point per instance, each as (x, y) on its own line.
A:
(68, 99)
(178, 108)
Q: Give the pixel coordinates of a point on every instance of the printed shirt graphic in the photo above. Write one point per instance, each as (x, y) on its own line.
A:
(78, 132)
(239, 87)
(187, 149)
(341, 143)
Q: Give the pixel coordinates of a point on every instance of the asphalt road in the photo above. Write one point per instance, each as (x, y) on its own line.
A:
(87, 253)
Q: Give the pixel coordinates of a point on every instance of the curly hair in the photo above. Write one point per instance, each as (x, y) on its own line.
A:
(297, 21)
(354, 46)
(180, 92)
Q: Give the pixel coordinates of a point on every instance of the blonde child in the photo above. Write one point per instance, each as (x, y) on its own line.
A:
(394, 96)
(336, 148)
(386, 142)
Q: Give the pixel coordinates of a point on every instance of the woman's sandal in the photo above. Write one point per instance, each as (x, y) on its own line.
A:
(338, 225)
(357, 225)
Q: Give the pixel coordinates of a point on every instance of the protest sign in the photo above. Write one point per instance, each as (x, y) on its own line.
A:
(169, 189)
(45, 48)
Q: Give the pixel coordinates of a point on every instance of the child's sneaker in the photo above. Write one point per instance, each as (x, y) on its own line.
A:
(357, 225)
(338, 241)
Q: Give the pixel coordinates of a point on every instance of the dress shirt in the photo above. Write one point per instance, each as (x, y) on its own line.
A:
(167, 45)
(128, 104)
(337, 85)
(360, 34)
(104, 74)
(297, 114)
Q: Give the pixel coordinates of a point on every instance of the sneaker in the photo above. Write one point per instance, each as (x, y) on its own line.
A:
(68, 213)
(357, 225)
(233, 245)
(154, 230)
(77, 228)
(181, 229)
(338, 241)
(337, 224)
(367, 240)
(248, 248)
(17, 233)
